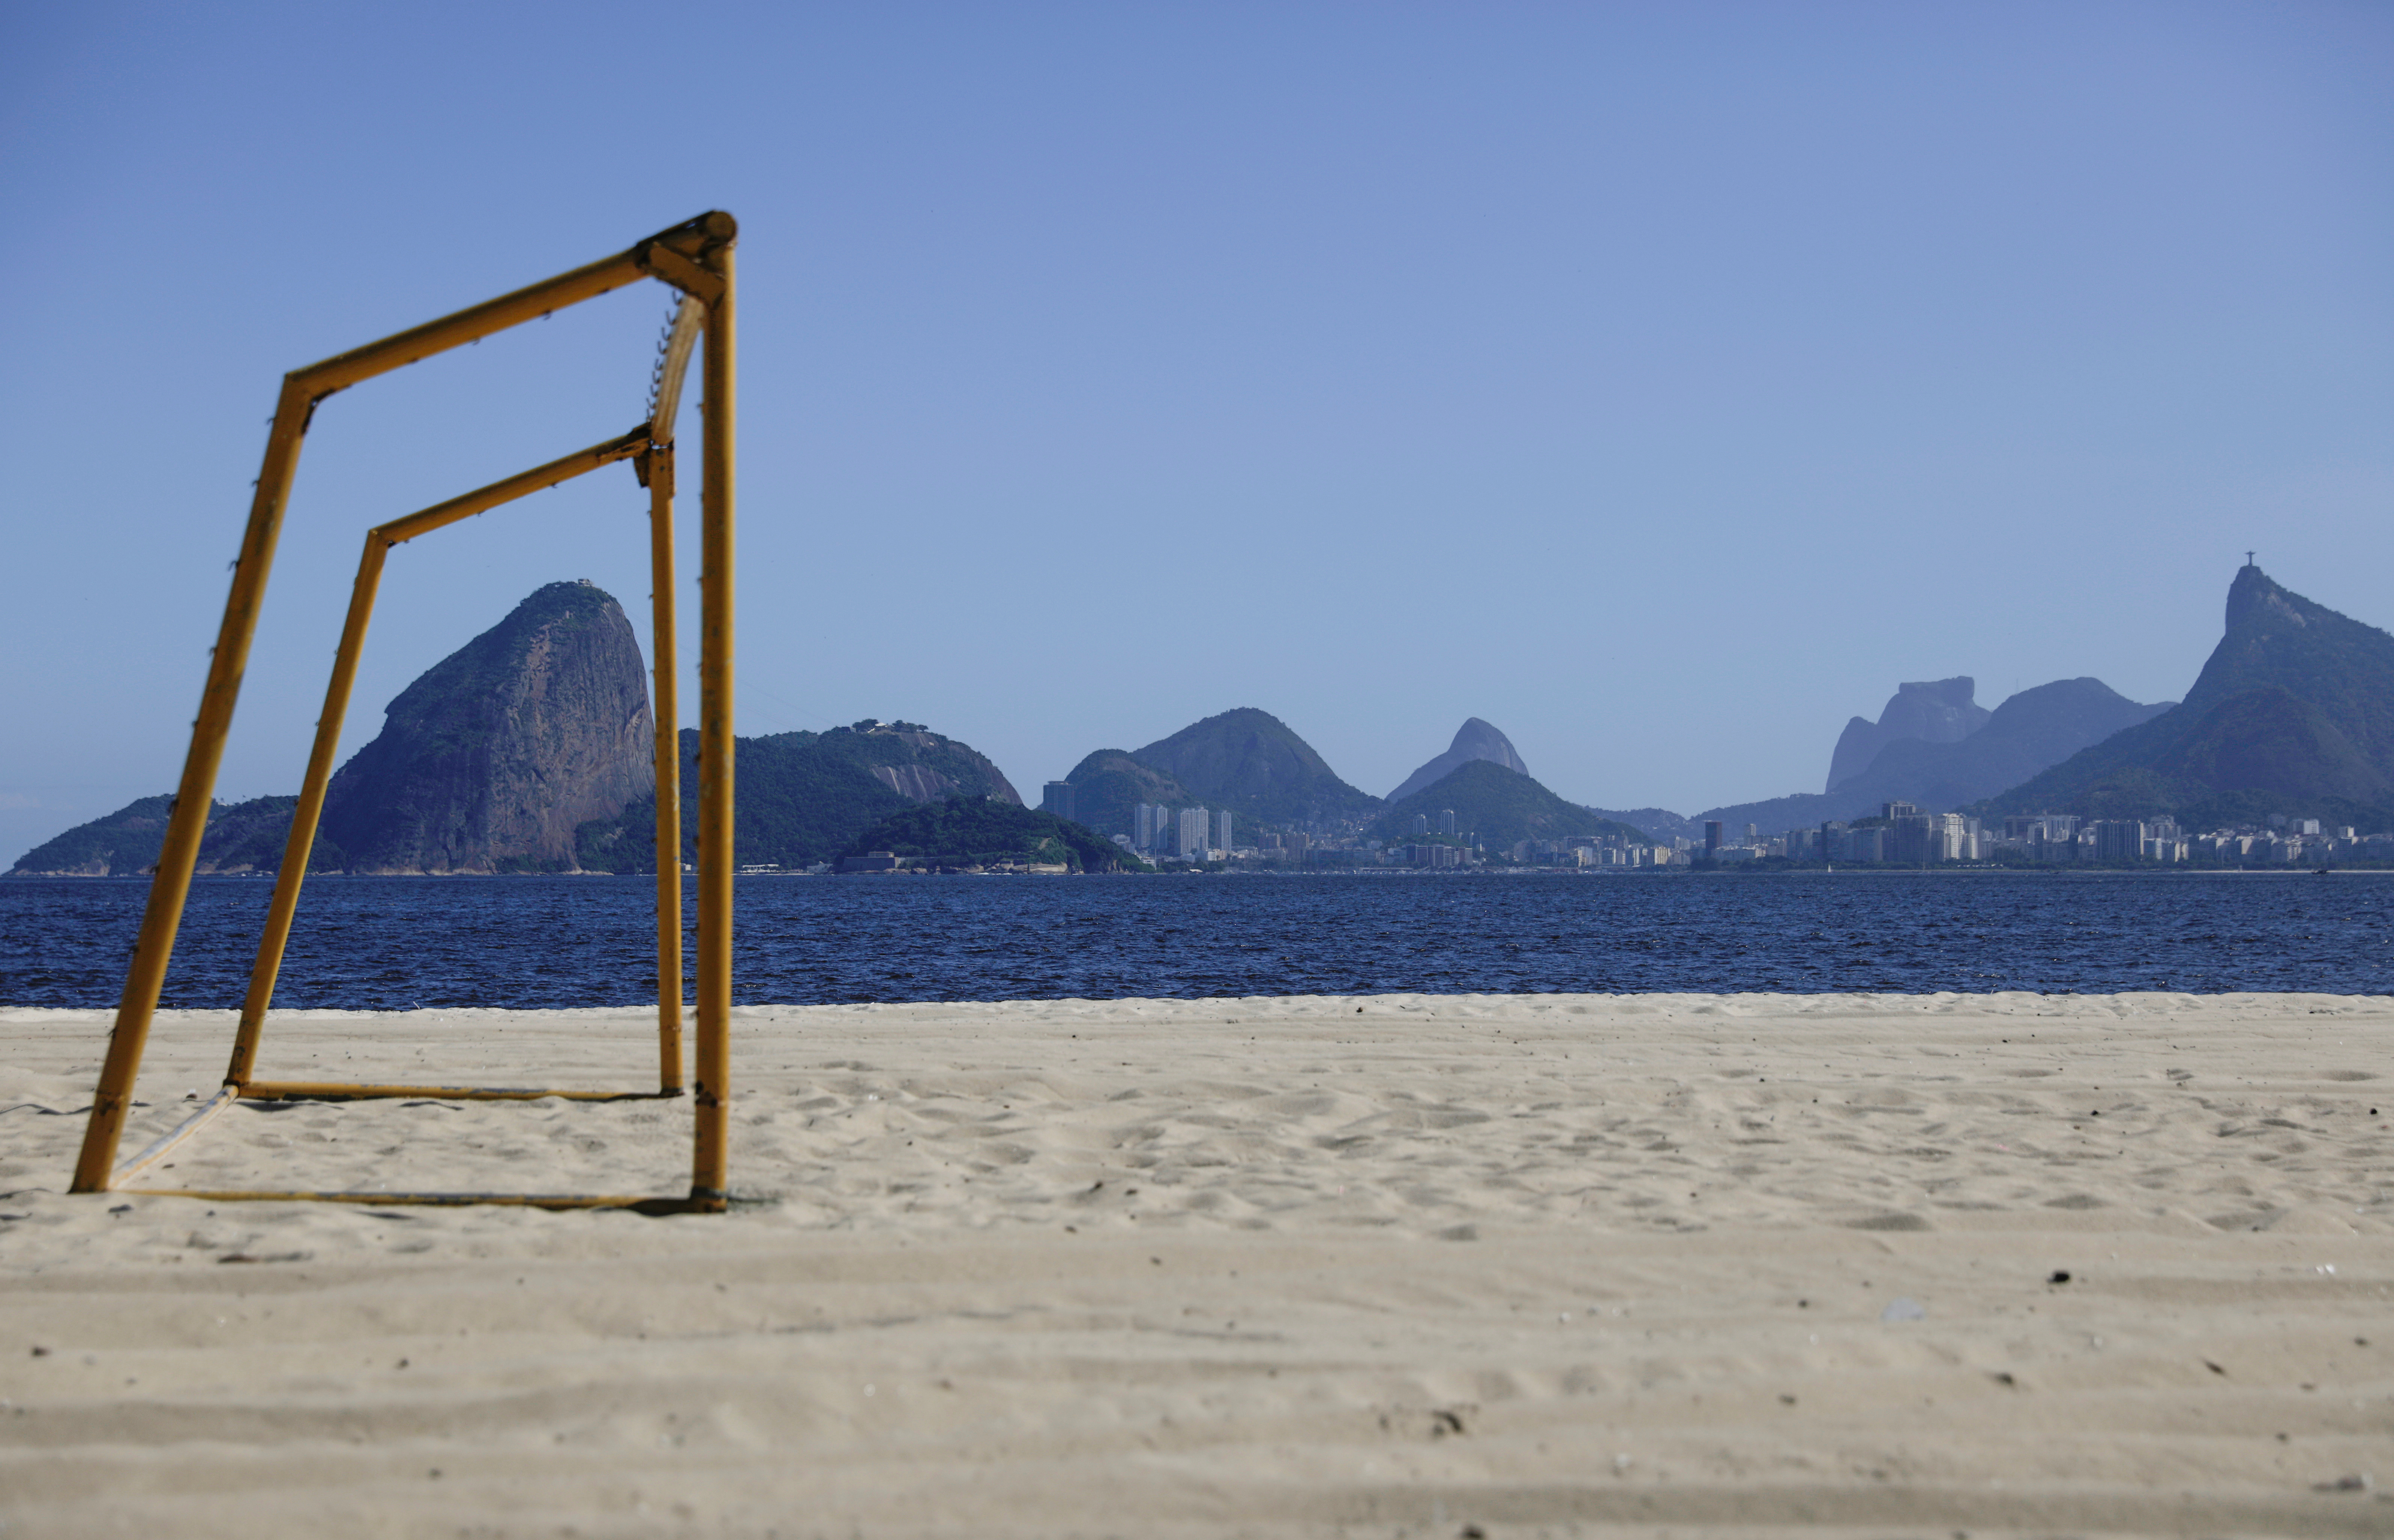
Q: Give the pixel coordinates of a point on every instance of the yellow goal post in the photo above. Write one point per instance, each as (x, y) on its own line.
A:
(694, 258)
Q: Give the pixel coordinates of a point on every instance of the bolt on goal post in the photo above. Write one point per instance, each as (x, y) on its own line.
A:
(694, 258)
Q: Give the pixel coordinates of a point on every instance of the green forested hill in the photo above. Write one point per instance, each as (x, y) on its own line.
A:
(982, 830)
(795, 804)
(241, 836)
(1502, 807)
(119, 844)
(1109, 783)
(1250, 762)
(804, 796)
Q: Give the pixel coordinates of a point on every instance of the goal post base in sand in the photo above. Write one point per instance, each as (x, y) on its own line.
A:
(696, 259)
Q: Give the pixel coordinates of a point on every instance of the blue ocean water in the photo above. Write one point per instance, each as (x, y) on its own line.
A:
(395, 943)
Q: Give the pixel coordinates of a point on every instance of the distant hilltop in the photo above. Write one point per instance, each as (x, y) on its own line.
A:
(1501, 808)
(1246, 762)
(1474, 740)
(803, 797)
(1250, 762)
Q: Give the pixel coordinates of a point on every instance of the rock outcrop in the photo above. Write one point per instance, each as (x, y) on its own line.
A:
(1474, 740)
(492, 759)
(2037, 727)
(918, 764)
(1937, 711)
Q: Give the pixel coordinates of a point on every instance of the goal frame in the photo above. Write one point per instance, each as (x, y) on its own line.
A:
(695, 258)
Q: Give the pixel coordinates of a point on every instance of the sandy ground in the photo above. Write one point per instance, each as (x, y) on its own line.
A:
(1419, 1266)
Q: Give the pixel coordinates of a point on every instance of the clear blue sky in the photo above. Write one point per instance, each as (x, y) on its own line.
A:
(1663, 383)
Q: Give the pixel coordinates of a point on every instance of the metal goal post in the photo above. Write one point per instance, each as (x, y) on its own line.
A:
(694, 258)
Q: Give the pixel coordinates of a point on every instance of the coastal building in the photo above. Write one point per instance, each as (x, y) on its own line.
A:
(1907, 836)
(2119, 839)
(2042, 837)
(1057, 797)
(1712, 838)
(1446, 821)
(1222, 841)
(1190, 837)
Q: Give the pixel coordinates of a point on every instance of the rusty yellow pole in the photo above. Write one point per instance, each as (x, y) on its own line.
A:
(629, 446)
(665, 255)
(664, 412)
(302, 837)
(708, 1183)
(678, 257)
(308, 816)
(665, 712)
(189, 822)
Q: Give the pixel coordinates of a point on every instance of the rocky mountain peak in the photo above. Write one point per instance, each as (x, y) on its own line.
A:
(492, 757)
(1934, 711)
(1475, 740)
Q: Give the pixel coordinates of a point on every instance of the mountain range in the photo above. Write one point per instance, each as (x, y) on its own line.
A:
(2032, 729)
(528, 749)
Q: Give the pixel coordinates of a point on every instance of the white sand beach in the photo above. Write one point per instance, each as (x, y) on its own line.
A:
(1405, 1265)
